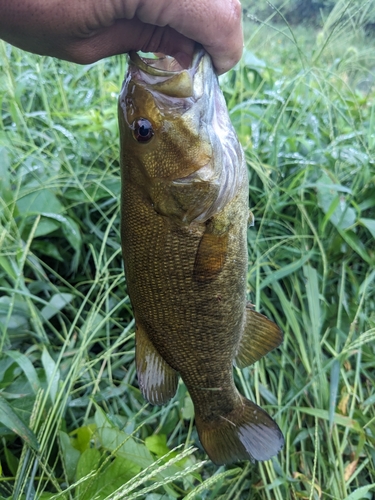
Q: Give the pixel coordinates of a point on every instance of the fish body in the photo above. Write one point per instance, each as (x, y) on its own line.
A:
(184, 237)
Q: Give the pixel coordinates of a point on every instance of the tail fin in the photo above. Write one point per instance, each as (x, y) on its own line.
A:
(246, 433)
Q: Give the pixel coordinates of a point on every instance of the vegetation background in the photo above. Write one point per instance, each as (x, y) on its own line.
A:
(73, 424)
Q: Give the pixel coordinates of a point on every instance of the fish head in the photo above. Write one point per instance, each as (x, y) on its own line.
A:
(177, 142)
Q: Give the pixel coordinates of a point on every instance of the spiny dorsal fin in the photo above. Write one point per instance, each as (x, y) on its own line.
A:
(260, 336)
(156, 379)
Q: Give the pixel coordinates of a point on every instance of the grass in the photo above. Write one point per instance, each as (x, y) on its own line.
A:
(73, 424)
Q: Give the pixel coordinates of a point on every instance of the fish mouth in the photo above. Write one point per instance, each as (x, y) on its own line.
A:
(164, 65)
(165, 74)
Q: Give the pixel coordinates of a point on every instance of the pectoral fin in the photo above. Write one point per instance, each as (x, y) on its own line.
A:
(156, 379)
(260, 336)
(211, 255)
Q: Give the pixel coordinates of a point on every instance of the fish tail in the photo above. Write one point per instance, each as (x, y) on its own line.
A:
(246, 433)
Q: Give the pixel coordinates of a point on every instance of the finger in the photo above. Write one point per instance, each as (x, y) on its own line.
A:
(125, 35)
(216, 25)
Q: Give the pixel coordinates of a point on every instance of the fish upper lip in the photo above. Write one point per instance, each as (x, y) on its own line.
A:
(145, 65)
(157, 77)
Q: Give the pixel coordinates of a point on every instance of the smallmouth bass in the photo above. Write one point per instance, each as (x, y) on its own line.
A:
(184, 238)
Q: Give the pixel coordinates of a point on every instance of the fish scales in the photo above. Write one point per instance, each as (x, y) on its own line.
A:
(184, 238)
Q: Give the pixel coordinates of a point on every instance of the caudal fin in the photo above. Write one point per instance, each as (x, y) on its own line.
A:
(247, 433)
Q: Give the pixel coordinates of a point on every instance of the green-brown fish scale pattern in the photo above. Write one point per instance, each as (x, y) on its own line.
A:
(187, 279)
(189, 319)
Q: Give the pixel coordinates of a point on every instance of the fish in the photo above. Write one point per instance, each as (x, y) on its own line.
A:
(184, 220)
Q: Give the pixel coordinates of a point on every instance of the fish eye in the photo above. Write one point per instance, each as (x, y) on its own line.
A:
(142, 130)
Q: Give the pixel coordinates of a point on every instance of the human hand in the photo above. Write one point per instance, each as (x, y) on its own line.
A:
(84, 31)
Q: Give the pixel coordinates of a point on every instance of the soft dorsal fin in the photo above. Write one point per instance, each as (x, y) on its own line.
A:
(156, 379)
(260, 336)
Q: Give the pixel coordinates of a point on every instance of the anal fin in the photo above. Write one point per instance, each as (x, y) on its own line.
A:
(259, 337)
(156, 379)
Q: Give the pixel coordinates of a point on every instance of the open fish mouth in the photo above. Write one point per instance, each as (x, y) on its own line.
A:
(160, 65)
(163, 65)
(165, 73)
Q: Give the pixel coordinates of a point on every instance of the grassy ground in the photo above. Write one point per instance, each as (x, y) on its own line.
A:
(73, 424)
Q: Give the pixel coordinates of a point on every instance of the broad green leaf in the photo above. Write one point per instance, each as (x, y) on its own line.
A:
(5, 263)
(118, 473)
(334, 205)
(11, 420)
(188, 408)
(362, 493)
(46, 226)
(56, 303)
(114, 439)
(72, 233)
(125, 446)
(27, 367)
(357, 245)
(87, 464)
(157, 444)
(369, 401)
(19, 318)
(52, 221)
(108, 187)
(11, 460)
(45, 247)
(369, 224)
(70, 455)
(368, 202)
(38, 202)
(24, 404)
(83, 436)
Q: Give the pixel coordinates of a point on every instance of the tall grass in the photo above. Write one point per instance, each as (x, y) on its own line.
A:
(73, 424)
